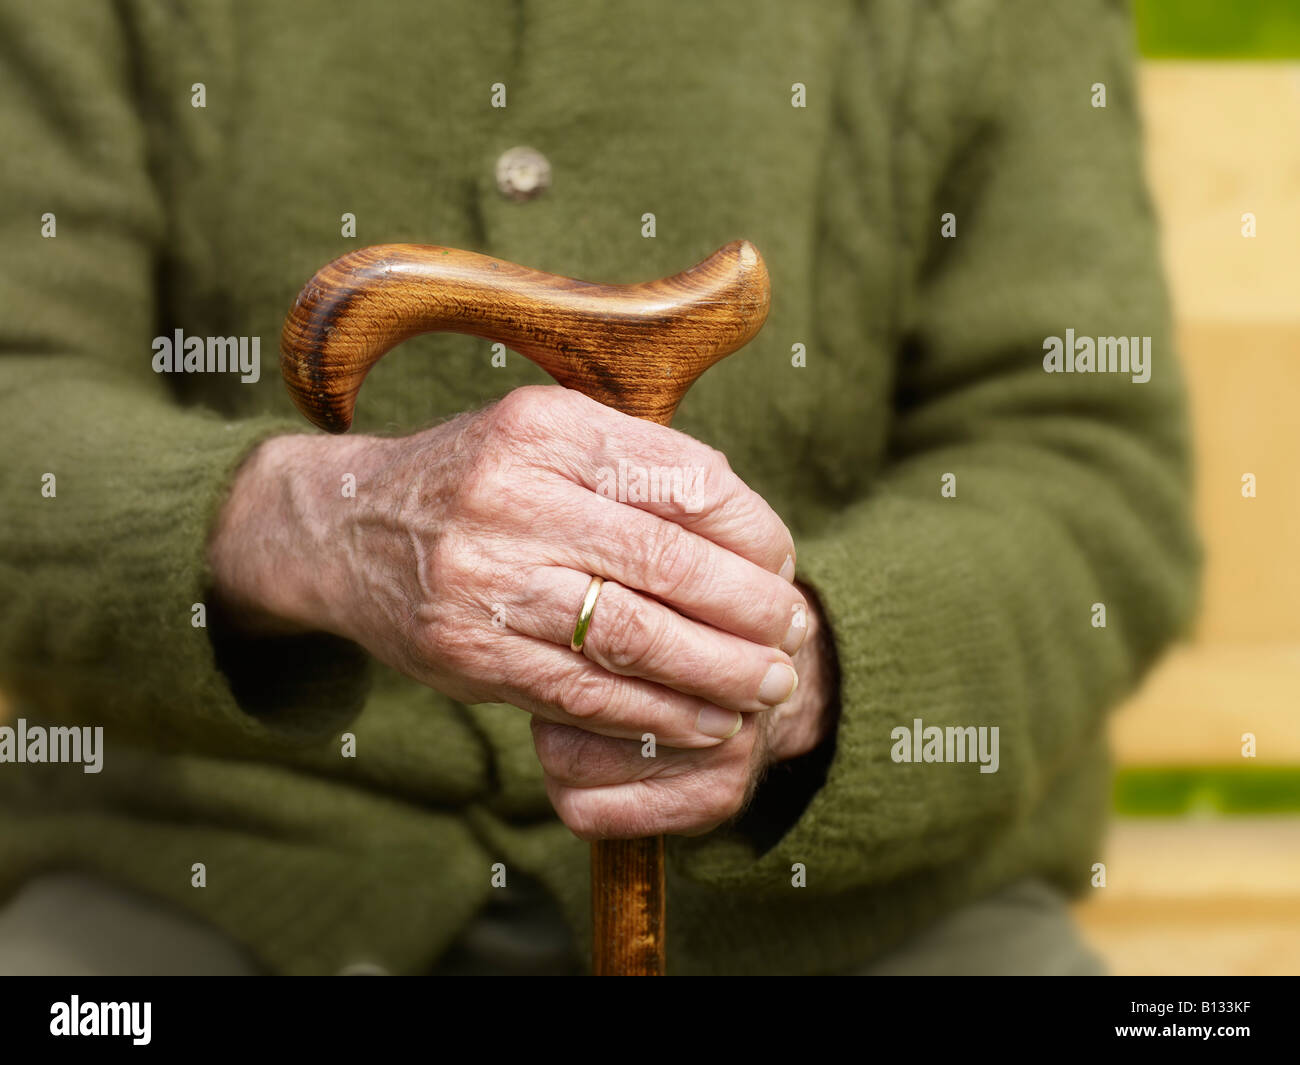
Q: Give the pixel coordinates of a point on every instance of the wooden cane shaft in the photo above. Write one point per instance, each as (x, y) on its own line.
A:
(629, 924)
(628, 907)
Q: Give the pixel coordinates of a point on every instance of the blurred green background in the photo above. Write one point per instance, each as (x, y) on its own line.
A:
(1213, 789)
(1219, 29)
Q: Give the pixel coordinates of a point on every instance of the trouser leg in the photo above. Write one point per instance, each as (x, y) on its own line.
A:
(72, 924)
(1023, 930)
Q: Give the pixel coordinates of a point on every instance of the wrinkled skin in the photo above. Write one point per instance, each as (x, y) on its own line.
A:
(463, 558)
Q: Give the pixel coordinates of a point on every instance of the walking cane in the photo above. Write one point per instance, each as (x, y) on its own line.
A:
(636, 348)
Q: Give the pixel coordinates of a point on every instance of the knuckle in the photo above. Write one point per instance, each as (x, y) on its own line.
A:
(547, 738)
(630, 634)
(590, 828)
(728, 792)
(519, 417)
(559, 749)
(621, 813)
(768, 535)
(567, 809)
(584, 818)
(767, 612)
(585, 696)
(672, 560)
(776, 612)
(736, 793)
(516, 407)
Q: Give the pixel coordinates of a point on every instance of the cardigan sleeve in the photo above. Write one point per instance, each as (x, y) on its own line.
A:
(965, 588)
(108, 486)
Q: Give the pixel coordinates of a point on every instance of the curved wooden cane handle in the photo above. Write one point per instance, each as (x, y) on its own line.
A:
(637, 348)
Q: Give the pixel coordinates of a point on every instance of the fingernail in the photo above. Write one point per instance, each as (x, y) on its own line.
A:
(794, 635)
(718, 723)
(778, 685)
(787, 568)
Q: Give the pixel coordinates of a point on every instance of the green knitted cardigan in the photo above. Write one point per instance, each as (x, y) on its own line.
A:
(894, 356)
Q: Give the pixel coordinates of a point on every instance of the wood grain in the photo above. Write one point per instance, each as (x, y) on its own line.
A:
(637, 348)
(628, 907)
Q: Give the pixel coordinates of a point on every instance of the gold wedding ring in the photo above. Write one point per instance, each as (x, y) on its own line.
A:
(584, 615)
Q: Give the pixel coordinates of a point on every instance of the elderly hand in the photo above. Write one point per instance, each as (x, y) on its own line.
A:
(465, 553)
(610, 788)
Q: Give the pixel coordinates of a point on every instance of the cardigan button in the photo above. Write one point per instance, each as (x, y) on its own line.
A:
(523, 173)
